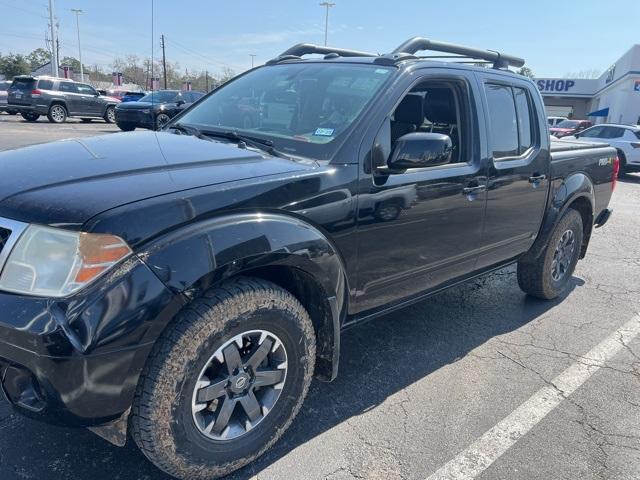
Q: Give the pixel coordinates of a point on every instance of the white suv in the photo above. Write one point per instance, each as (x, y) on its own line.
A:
(625, 138)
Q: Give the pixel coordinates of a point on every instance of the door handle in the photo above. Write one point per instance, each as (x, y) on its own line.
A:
(471, 190)
(537, 178)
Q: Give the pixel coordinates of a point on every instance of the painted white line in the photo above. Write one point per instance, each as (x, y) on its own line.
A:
(471, 462)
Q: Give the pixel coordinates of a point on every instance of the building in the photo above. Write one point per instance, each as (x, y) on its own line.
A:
(45, 69)
(614, 97)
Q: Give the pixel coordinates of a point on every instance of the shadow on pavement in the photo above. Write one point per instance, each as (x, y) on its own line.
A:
(378, 359)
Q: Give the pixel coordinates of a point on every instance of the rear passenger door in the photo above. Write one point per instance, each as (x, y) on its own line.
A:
(519, 164)
(70, 94)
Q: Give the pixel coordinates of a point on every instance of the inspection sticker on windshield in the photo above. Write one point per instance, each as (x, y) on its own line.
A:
(324, 132)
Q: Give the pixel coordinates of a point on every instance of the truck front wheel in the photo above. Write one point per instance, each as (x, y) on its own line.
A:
(550, 275)
(225, 380)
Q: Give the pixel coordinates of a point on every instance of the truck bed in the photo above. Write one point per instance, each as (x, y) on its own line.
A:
(558, 145)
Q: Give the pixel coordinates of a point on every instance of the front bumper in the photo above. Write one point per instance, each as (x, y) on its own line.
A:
(135, 117)
(77, 361)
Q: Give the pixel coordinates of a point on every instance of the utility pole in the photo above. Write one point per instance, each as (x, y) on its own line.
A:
(77, 11)
(253, 56)
(327, 5)
(54, 41)
(164, 61)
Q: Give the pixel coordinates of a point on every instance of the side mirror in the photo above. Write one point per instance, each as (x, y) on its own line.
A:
(179, 103)
(420, 150)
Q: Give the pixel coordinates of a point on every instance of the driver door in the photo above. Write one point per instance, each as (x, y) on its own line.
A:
(419, 229)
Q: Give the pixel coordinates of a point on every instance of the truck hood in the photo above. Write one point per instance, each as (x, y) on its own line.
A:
(65, 183)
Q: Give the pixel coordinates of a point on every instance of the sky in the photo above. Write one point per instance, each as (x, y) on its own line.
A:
(556, 38)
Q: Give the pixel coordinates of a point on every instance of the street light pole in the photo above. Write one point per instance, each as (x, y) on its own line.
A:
(253, 56)
(77, 11)
(327, 5)
(54, 41)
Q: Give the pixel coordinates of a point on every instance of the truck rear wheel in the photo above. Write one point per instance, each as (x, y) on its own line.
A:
(549, 276)
(225, 380)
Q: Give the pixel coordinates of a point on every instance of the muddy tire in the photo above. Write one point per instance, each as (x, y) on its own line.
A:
(205, 359)
(550, 276)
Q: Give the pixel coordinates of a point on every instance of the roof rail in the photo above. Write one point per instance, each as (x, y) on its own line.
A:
(500, 60)
(301, 49)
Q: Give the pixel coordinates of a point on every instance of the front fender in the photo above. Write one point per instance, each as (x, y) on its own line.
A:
(193, 258)
(577, 186)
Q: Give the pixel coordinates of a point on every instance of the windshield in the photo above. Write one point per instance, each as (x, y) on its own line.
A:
(302, 108)
(4, 85)
(568, 124)
(159, 97)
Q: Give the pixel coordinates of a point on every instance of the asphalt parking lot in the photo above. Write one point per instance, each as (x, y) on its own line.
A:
(477, 382)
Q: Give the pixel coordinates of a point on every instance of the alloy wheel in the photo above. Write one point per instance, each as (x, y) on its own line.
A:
(161, 120)
(111, 115)
(563, 255)
(58, 114)
(239, 385)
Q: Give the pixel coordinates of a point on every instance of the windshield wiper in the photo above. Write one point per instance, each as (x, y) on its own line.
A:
(188, 130)
(241, 140)
(259, 143)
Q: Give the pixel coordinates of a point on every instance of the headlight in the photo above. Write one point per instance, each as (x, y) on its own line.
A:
(54, 263)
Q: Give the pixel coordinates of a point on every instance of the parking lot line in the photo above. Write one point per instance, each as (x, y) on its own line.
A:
(474, 460)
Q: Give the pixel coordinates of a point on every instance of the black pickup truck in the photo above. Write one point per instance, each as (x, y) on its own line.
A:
(184, 286)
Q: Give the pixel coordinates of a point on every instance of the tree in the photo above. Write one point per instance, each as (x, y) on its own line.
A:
(38, 57)
(14, 64)
(526, 72)
(74, 63)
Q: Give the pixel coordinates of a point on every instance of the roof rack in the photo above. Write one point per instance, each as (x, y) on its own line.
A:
(297, 51)
(417, 44)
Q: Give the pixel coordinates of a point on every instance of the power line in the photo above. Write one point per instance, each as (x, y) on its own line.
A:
(24, 10)
(192, 52)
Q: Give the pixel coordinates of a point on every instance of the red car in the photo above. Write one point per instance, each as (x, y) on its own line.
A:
(569, 127)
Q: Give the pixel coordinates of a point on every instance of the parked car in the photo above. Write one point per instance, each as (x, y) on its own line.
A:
(58, 99)
(154, 110)
(153, 283)
(569, 127)
(132, 96)
(553, 121)
(4, 86)
(624, 138)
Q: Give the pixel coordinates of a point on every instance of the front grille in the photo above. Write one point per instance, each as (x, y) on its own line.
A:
(4, 236)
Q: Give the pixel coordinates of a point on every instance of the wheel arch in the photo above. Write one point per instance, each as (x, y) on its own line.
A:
(576, 192)
(59, 101)
(284, 250)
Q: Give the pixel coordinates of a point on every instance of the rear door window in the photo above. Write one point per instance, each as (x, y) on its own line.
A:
(613, 132)
(503, 122)
(68, 87)
(45, 84)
